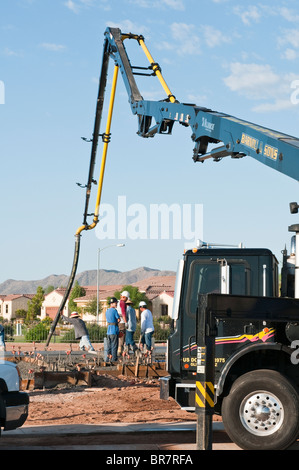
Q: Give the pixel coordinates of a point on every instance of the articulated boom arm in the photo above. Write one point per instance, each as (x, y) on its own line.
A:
(237, 138)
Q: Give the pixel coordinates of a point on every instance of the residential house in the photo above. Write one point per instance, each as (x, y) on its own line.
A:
(91, 294)
(159, 290)
(10, 303)
(162, 304)
(52, 303)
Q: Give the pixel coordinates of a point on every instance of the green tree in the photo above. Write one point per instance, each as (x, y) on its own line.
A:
(35, 304)
(91, 306)
(77, 291)
(49, 289)
(21, 313)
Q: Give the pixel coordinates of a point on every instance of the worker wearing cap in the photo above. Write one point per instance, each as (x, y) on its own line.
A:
(122, 311)
(113, 320)
(147, 326)
(81, 331)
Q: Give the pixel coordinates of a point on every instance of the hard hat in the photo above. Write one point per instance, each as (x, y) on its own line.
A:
(142, 304)
(125, 293)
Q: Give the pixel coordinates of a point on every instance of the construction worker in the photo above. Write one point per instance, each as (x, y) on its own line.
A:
(113, 320)
(2, 340)
(147, 326)
(81, 332)
(131, 326)
(122, 311)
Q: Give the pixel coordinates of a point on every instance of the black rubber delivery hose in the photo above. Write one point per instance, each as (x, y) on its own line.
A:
(68, 289)
(85, 226)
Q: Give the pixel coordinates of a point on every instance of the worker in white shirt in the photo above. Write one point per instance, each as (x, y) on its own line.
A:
(147, 326)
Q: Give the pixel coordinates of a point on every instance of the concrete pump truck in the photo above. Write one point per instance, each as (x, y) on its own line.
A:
(232, 348)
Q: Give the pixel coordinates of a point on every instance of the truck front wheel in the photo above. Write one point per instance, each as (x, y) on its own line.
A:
(261, 412)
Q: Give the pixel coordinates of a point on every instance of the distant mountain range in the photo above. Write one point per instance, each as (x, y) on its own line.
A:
(86, 278)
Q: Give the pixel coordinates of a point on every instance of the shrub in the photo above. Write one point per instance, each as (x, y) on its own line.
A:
(38, 332)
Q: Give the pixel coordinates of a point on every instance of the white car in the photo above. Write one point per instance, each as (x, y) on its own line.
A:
(13, 403)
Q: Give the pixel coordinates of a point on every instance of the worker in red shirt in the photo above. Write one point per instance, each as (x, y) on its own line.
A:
(121, 308)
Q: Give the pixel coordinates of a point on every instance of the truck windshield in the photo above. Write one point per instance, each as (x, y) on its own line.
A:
(205, 278)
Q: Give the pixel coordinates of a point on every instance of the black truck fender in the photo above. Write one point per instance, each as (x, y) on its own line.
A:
(232, 361)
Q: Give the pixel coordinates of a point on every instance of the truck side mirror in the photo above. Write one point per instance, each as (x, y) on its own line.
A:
(294, 207)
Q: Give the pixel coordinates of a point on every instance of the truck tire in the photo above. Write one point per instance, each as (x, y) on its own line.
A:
(261, 412)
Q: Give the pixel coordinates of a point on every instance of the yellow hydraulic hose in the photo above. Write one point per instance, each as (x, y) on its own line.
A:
(106, 139)
(157, 71)
(154, 65)
(104, 156)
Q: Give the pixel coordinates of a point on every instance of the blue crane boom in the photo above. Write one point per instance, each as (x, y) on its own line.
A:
(227, 135)
(215, 134)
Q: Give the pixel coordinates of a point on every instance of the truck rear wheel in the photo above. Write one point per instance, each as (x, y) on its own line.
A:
(261, 411)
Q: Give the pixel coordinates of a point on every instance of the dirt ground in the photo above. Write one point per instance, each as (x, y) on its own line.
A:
(112, 400)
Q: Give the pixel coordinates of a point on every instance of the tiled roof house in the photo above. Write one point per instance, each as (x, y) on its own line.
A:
(12, 302)
(159, 290)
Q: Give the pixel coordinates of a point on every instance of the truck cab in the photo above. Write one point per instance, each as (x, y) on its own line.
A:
(249, 348)
(236, 271)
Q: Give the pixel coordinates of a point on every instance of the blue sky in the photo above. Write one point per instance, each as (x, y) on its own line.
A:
(240, 58)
